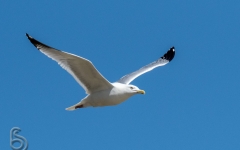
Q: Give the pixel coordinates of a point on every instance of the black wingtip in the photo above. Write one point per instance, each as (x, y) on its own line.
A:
(36, 43)
(28, 35)
(170, 54)
(32, 40)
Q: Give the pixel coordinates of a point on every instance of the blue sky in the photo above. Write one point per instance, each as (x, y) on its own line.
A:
(191, 103)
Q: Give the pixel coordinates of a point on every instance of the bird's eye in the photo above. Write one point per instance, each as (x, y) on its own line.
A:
(131, 87)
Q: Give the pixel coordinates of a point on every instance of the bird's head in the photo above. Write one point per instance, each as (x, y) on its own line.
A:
(134, 89)
(126, 89)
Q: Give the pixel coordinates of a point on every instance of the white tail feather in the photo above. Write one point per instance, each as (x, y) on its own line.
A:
(71, 108)
(74, 106)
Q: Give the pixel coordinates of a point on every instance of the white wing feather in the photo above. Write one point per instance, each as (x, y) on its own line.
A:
(166, 58)
(82, 70)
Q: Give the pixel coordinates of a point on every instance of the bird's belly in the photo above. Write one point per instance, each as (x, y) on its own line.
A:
(105, 99)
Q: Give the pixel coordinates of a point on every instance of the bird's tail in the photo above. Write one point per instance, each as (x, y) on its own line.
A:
(76, 106)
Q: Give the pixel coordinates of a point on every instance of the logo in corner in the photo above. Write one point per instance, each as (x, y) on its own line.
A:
(15, 138)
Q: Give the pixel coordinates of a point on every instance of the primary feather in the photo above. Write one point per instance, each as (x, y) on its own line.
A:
(166, 58)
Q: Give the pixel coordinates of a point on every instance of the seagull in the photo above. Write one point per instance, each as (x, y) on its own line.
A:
(100, 92)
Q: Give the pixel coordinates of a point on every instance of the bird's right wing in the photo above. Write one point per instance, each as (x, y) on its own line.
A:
(80, 68)
(166, 58)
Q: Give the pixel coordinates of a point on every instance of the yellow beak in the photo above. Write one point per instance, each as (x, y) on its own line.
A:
(141, 91)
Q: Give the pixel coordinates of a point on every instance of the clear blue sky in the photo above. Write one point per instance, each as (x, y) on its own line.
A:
(191, 103)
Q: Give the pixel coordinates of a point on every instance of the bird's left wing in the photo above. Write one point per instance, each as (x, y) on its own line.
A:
(166, 58)
(80, 68)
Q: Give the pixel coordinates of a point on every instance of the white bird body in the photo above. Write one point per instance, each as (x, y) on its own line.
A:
(100, 91)
(112, 96)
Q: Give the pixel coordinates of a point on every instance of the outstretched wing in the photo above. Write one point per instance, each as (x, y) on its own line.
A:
(166, 58)
(80, 68)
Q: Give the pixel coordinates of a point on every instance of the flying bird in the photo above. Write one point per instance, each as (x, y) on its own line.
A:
(100, 92)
